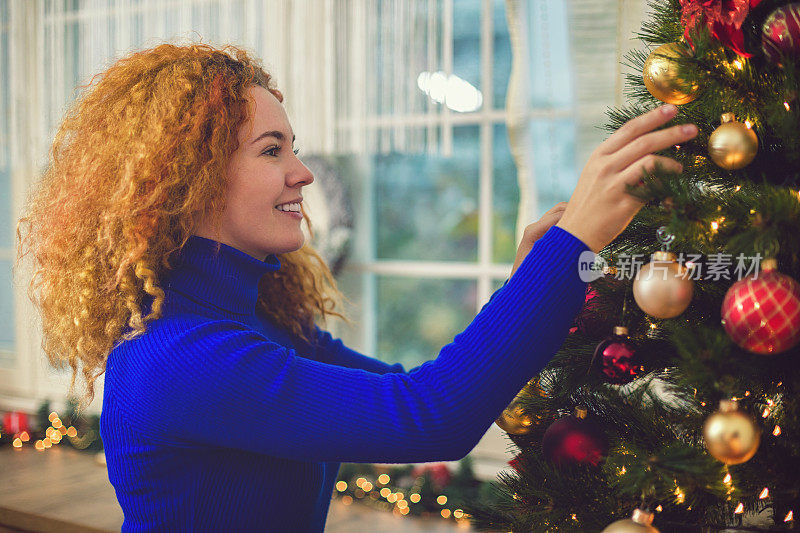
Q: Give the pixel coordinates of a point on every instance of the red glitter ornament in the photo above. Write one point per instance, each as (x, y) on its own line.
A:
(615, 358)
(780, 33)
(574, 440)
(762, 315)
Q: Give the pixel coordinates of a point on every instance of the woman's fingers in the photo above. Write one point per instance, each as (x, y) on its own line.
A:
(647, 165)
(636, 127)
(651, 142)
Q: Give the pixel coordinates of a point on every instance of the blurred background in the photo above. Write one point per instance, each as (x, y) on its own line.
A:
(437, 130)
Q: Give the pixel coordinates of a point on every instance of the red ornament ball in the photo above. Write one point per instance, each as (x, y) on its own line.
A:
(574, 440)
(762, 315)
(615, 358)
(780, 33)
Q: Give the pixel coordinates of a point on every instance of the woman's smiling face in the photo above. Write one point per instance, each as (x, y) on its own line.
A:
(262, 173)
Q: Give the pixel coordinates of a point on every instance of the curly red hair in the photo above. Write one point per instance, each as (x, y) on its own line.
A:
(135, 163)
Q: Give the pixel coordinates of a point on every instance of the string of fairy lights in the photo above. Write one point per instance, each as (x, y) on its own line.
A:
(54, 433)
(380, 495)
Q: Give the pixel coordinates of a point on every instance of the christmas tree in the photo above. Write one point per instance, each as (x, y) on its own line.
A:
(673, 403)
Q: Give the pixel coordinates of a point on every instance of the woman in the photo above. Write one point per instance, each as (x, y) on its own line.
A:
(168, 260)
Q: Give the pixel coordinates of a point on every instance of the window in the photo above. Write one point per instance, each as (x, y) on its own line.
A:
(436, 228)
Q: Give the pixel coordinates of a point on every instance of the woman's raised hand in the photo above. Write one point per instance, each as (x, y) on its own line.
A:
(600, 207)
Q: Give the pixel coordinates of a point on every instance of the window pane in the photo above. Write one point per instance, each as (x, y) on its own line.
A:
(7, 319)
(554, 161)
(551, 83)
(467, 41)
(418, 316)
(501, 67)
(505, 199)
(427, 205)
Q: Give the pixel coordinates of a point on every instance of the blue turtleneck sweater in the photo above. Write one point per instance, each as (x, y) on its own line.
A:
(216, 419)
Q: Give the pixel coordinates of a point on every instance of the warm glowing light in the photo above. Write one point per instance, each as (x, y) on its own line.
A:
(367, 486)
(715, 225)
(72, 432)
(402, 504)
(739, 509)
(727, 478)
(39, 445)
(738, 187)
(52, 416)
(57, 423)
(17, 443)
(441, 500)
(458, 513)
(450, 90)
(789, 517)
(659, 508)
(748, 124)
(680, 497)
(737, 64)
(574, 516)
(653, 326)
(360, 481)
(764, 494)
(445, 513)
(404, 510)
(341, 486)
(24, 437)
(391, 498)
(383, 479)
(766, 412)
(747, 393)
(786, 105)
(777, 430)
(385, 491)
(415, 498)
(622, 471)
(347, 499)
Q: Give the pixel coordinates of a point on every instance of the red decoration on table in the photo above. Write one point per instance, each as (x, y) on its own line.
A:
(15, 422)
(780, 33)
(439, 473)
(762, 315)
(574, 439)
(615, 358)
(723, 17)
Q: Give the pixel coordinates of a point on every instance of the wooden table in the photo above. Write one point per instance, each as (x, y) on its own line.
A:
(66, 491)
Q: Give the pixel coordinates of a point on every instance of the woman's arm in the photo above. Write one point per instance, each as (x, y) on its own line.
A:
(270, 400)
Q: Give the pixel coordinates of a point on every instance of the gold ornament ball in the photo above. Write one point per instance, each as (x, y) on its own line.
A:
(640, 522)
(513, 419)
(660, 75)
(732, 145)
(663, 288)
(731, 436)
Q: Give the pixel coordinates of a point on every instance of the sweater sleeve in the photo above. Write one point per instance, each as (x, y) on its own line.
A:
(333, 351)
(218, 383)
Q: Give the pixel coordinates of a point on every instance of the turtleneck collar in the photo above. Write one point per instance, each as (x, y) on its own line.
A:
(228, 280)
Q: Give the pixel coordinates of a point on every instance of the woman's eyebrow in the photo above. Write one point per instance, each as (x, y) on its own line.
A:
(274, 133)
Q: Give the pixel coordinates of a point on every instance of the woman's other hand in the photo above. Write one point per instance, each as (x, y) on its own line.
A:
(533, 232)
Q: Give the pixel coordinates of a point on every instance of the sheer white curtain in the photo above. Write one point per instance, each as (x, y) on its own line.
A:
(600, 33)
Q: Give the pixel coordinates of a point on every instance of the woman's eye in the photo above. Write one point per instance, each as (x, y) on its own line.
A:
(271, 151)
